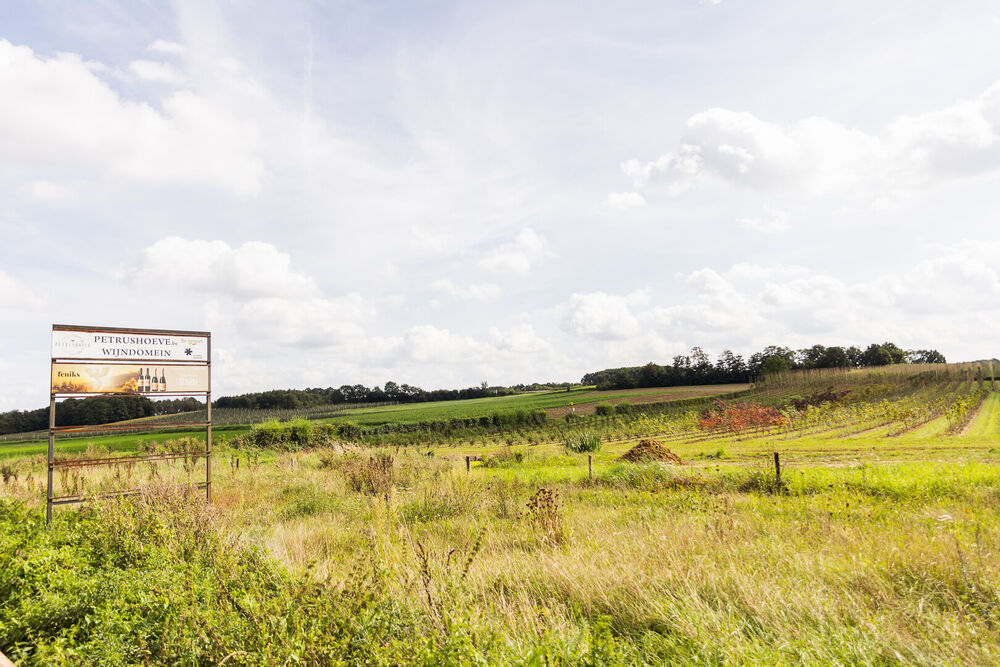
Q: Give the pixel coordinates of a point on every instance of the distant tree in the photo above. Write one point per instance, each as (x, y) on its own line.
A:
(925, 357)
(895, 352)
(649, 375)
(758, 359)
(810, 357)
(882, 355)
(621, 380)
(731, 367)
(699, 360)
(834, 357)
(775, 364)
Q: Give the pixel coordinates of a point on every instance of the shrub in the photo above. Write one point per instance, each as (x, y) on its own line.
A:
(289, 436)
(583, 442)
(504, 458)
(605, 409)
(349, 431)
(624, 409)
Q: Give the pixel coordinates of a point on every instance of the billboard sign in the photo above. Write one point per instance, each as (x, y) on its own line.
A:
(125, 345)
(126, 362)
(70, 378)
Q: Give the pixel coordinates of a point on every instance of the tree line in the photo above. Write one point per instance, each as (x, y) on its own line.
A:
(108, 409)
(285, 399)
(697, 367)
(94, 410)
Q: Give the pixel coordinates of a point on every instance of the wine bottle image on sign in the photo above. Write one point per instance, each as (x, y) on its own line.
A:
(163, 379)
(156, 380)
(145, 382)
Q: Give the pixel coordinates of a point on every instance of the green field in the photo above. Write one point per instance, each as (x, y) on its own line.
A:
(876, 547)
(389, 414)
(123, 443)
(412, 412)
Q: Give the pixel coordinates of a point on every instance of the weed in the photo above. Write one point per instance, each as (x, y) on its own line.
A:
(545, 515)
(373, 476)
(8, 472)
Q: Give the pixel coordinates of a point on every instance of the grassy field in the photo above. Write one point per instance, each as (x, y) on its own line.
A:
(877, 547)
(236, 422)
(120, 443)
(585, 397)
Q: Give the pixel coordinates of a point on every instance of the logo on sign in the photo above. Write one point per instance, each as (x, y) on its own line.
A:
(72, 343)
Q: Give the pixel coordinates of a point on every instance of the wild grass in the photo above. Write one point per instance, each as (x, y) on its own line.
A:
(872, 550)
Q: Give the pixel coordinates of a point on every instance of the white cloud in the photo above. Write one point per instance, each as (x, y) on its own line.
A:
(166, 48)
(253, 270)
(527, 250)
(470, 291)
(776, 222)
(519, 339)
(150, 70)
(937, 301)
(625, 201)
(947, 300)
(48, 191)
(599, 315)
(427, 343)
(57, 114)
(430, 242)
(15, 294)
(819, 156)
(310, 322)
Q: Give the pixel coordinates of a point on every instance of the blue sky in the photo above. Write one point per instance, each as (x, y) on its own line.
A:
(445, 193)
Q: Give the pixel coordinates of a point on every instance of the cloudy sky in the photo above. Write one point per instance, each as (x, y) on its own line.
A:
(448, 192)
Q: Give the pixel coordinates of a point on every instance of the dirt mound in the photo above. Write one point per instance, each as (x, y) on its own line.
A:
(651, 450)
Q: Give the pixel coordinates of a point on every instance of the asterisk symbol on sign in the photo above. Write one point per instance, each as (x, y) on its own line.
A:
(188, 352)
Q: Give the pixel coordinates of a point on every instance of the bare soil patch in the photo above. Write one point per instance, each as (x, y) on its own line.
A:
(651, 450)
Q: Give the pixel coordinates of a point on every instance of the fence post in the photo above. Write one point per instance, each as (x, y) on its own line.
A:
(777, 469)
(590, 467)
(468, 464)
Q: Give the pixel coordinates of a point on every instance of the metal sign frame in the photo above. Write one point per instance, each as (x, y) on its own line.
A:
(123, 360)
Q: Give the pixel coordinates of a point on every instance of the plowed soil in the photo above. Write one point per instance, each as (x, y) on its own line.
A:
(651, 450)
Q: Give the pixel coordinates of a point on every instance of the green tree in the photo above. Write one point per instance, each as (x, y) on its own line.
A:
(775, 364)
(925, 357)
(834, 357)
